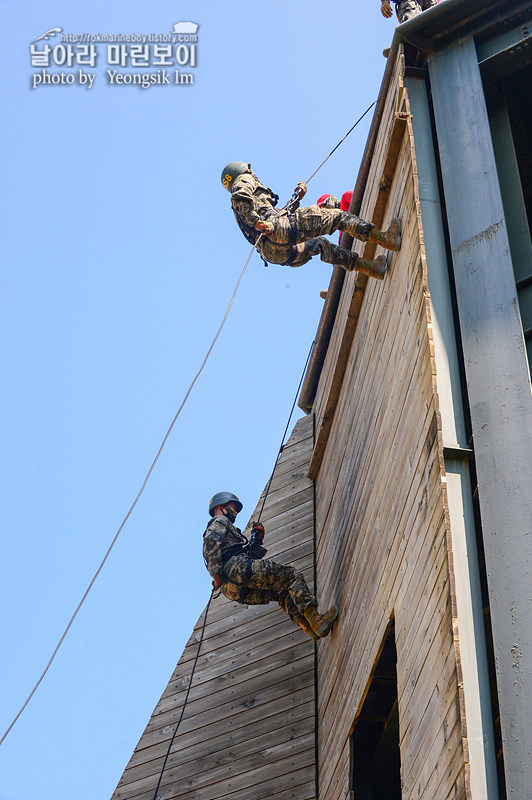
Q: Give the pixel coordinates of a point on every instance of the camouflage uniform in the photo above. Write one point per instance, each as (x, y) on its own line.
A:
(298, 235)
(251, 579)
(407, 9)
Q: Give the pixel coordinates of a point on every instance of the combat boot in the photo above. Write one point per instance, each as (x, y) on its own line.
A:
(390, 239)
(321, 624)
(305, 626)
(375, 269)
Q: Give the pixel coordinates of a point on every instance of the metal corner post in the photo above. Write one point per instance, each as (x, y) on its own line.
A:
(474, 661)
(498, 383)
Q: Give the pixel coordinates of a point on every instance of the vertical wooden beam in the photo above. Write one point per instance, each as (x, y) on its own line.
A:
(353, 315)
(499, 386)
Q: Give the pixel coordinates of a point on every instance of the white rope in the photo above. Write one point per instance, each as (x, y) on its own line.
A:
(135, 501)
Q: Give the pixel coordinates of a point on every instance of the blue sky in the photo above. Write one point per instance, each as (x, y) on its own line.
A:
(119, 257)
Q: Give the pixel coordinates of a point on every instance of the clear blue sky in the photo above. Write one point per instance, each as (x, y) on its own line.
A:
(119, 256)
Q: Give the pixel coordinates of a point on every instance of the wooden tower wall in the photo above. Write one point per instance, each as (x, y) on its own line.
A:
(384, 549)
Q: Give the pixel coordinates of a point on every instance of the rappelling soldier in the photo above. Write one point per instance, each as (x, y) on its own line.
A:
(291, 236)
(241, 572)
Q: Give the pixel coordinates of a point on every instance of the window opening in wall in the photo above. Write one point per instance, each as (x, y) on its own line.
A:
(374, 744)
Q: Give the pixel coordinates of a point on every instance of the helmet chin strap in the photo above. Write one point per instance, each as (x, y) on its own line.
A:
(227, 512)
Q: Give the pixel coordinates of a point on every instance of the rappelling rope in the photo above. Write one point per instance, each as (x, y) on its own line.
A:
(294, 197)
(91, 584)
(351, 129)
(285, 432)
(212, 593)
(74, 615)
(186, 696)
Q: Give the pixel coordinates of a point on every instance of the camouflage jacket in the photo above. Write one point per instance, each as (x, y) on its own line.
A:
(251, 201)
(221, 541)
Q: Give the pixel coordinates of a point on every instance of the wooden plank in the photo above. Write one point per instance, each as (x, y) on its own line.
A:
(431, 719)
(287, 783)
(393, 343)
(273, 703)
(243, 769)
(209, 754)
(299, 719)
(245, 665)
(370, 614)
(250, 691)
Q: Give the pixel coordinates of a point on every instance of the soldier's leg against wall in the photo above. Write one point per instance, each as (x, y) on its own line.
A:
(407, 9)
(332, 253)
(267, 574)
(316, 220)
(290, 608)
(340, 257)
(312, 221)
(264, 575)
(239, 593)
(271, 581)
(303, 254)
(257, 597)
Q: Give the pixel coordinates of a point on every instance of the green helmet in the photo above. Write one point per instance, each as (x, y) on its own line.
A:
(221, 499)
(231, 172)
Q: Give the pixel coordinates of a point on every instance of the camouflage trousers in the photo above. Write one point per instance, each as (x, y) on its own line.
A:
(265, 580)
(407, 9)
(329, 253)
(299, 236)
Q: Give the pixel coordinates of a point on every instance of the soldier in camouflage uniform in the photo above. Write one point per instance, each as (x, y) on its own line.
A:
(406, 9)
(291, 237)
(242, 574)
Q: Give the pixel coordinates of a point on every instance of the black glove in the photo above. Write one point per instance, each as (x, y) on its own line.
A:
(257, 531)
